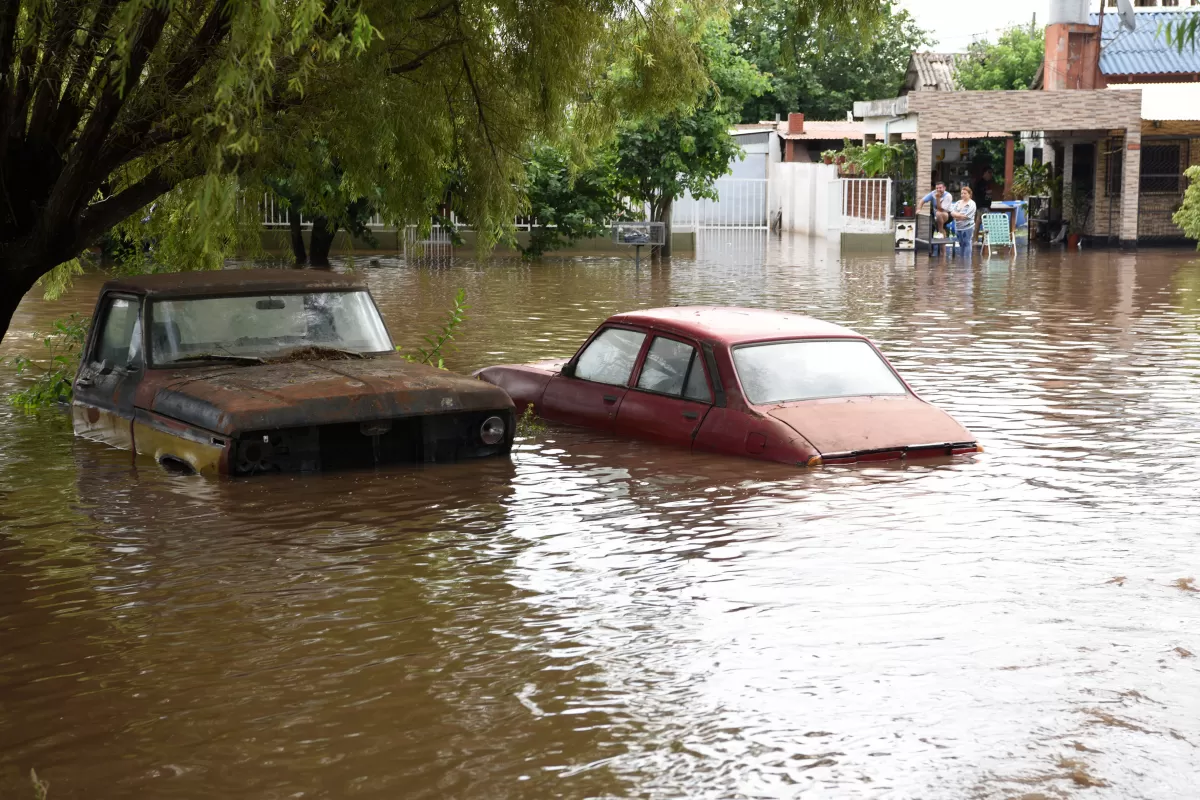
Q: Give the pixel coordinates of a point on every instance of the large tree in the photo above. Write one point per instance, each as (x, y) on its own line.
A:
(822, 68)
(569, 201)
(661, 157)
(1009, 63)
(107, 106)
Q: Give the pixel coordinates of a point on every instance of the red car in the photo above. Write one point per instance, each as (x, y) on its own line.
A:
(740, 381)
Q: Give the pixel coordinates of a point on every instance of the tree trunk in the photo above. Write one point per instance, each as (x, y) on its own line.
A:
(320, 241)
(13, 287)
(297, 236)
(662, 213)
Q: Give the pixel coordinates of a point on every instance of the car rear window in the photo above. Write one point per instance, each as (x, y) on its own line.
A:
(778, 372)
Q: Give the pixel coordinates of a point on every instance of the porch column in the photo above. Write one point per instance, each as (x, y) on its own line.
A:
(1068, 165)
(1009, 146)
(924, 169)
(1131, 185)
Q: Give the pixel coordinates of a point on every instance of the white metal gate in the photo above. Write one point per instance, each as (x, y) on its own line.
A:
(741, 204)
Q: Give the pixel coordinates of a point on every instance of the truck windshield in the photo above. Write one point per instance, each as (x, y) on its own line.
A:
(779, 372)
(253, 327)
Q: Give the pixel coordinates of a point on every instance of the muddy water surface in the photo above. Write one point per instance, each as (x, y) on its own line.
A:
(599, 618)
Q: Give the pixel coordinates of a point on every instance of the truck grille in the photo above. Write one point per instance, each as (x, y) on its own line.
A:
(348, 445)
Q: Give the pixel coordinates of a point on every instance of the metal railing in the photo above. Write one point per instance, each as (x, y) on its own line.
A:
(866, 203)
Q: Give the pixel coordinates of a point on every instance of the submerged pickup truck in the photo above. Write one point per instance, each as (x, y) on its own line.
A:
(243, 372)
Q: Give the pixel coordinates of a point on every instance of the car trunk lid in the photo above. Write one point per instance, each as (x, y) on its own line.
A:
(875, 428)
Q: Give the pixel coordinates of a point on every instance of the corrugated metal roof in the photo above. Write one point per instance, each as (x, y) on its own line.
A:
(1143, 51)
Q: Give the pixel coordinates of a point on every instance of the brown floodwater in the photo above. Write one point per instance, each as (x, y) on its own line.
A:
(602, 618)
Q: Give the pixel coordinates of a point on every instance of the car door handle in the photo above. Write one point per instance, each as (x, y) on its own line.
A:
(690, 415)
(84, 381)
(610, 398)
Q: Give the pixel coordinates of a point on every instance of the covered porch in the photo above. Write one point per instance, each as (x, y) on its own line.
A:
(1064, 117)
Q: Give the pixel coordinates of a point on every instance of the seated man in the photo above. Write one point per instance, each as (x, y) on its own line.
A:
(942, 201)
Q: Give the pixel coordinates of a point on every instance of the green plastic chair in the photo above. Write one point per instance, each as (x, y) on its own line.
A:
(996, 233)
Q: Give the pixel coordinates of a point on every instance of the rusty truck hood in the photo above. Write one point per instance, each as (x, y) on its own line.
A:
(851, 425)
(231, 399)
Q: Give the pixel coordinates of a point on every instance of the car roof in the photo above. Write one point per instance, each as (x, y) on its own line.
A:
(206, 283)
(733, 325)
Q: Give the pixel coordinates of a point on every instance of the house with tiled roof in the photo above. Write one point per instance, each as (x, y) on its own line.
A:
(932, 72)
(1119, 109)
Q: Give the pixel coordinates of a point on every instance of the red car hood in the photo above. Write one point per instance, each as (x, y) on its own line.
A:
(857, 424)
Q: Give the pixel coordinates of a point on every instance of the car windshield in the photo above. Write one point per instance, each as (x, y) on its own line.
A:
(248, 328)
(779, 372)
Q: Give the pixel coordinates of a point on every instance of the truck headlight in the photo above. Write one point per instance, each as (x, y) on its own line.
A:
(492, 430)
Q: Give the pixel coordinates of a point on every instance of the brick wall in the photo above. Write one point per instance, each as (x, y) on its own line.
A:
(1155, 208)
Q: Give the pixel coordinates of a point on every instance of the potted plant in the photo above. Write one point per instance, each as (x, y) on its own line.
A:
(827, 156)
(1077, 209)
(1030, 180)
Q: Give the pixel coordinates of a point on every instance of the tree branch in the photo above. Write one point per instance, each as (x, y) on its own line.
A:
(418, 60)
(70, 109)
(435, 12)
(215, 28)
(72, 185)
(8, 42)
(14, 112)
(101, 216)
(48, 83)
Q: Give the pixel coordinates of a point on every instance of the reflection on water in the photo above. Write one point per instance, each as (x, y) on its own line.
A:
(606, 618)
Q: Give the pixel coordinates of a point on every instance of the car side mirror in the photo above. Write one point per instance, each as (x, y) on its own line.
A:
(568, 370)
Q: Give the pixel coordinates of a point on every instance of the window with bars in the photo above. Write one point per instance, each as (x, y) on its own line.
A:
(1115, 164)
(1161, 170)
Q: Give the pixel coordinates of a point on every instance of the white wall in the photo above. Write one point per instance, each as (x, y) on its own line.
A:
(807, 198)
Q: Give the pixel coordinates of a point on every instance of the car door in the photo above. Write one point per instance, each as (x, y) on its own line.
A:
(671, 395)
(110, 372)
(589, 390)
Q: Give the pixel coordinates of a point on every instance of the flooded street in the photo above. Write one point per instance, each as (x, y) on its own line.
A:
(602, 618)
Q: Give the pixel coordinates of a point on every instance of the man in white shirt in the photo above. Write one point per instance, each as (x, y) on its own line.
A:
(942, 201)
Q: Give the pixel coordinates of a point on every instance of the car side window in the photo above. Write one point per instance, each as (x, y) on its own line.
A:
(610, 357)
(674, 368)
(120, 339)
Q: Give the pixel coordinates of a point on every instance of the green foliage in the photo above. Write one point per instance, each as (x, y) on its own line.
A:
(1010, 63)
(529, 424)
(659, 158)
(41, 788)
(860, 51)
(53, 374)
(1077, 209)
(878, 158)
(1188, 215)
(1031, 179)
(569, 203)
(190, 106)
(438, 340)
(1181, 33)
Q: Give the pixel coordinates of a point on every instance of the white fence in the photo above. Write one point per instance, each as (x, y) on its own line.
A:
(741, 203)
(867, 204)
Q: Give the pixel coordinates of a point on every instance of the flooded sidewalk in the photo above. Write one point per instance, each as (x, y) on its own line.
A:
(604, 618)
